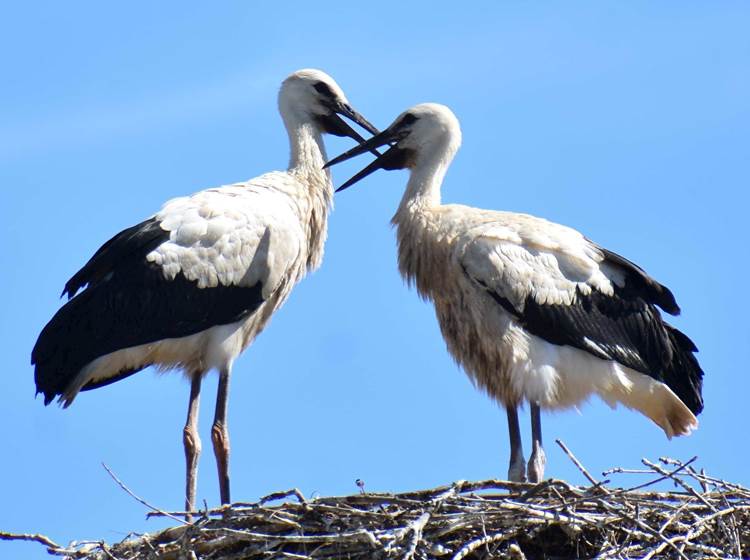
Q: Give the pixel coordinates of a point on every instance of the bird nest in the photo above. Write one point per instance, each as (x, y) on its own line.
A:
(701, 517)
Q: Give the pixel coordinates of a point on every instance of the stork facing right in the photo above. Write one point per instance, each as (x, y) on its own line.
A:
(193, 285)
(533, 310)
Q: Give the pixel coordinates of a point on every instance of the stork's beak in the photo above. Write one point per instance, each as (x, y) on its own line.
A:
(334, 124)
(347, 110)
(393, 158)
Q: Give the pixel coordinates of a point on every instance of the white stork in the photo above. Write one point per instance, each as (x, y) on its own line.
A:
(533, 310)
(194, 284)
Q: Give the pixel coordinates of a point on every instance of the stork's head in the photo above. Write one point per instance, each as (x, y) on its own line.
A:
(312, 96)
(425, 133)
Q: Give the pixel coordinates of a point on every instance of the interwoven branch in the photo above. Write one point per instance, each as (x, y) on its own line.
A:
(704, 518)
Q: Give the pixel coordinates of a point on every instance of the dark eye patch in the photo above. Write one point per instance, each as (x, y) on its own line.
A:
(323, 89)
(407, 119)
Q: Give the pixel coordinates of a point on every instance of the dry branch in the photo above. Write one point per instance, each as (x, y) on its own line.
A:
(705, 518)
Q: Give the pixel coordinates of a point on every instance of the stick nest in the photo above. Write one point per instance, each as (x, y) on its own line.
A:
(703, 517)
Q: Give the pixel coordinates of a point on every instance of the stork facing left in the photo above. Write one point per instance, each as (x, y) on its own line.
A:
(194, 284)
(533, 310)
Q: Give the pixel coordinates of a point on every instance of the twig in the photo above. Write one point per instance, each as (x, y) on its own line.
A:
(121, 484)
(578, 464)
(416, 527)
(459, 520)
(41, 539)
(677, 481)
(470, 547)
(667, 475)
(281, 495)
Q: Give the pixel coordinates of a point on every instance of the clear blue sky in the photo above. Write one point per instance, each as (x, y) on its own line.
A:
(626, 120)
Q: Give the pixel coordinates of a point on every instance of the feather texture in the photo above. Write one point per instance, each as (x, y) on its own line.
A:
(533, 310)
(226, 256)
(561, 287)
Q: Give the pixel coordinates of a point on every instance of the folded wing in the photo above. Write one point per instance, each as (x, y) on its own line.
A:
(567, 290)
(206, 260)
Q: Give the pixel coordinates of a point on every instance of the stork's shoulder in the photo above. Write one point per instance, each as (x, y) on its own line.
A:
(263, 200)
(522, 256)
(262, 193)
(231, 235)
(235, 234)
(510, 226)
(578, 257)
(486, 229)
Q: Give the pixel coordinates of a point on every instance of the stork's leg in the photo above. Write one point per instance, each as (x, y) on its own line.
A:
(517, 467)
(220, 434)
(192, 442)
(538, 460)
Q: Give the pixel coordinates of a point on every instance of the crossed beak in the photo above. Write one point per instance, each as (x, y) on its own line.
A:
(337, 125)
(393, 158)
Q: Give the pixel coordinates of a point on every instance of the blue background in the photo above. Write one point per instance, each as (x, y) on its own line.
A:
(628, 121)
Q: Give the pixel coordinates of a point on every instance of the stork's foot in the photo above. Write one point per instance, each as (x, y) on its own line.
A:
(517, 469)
(537, 462)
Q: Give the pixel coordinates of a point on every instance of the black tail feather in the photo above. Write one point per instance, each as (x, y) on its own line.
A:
(684, 374)
(132, 307)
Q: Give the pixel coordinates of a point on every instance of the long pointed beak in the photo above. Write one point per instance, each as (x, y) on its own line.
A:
(374, 166)
(336, 125)
(365, 146)
(392, 158)
(347, 110)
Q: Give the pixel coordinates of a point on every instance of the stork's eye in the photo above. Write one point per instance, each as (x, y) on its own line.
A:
(407, 119)
(323, 89)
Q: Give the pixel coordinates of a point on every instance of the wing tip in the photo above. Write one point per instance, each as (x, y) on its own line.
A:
(48, 397)
(666, 300)
(653, 291)
(68, 290)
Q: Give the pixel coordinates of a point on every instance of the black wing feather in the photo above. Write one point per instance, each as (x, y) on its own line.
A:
(128, 302)
(640, 284)
(134, 242)
(625, 326)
